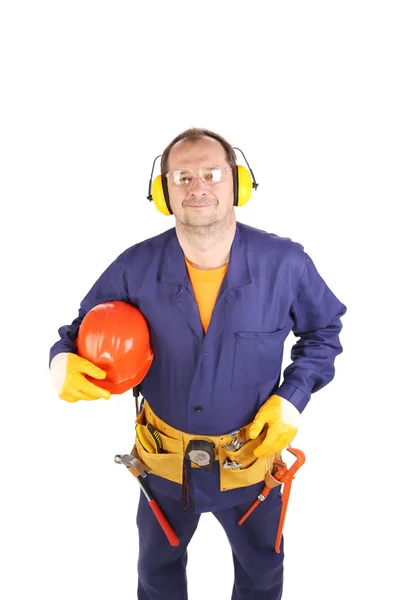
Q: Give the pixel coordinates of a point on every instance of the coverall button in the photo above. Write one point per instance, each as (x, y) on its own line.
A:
(198, 408)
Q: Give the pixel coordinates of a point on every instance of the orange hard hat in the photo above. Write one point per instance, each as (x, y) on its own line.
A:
(115, 337)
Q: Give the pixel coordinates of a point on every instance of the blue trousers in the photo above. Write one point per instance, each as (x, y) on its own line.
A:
(258, 569)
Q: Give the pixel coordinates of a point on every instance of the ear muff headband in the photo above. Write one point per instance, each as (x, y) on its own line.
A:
(243, 183)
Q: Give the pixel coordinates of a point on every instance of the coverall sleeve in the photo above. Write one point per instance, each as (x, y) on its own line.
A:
(316, 314)
(109, 286)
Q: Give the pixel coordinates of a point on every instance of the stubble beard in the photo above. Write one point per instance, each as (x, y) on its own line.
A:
(210, 229)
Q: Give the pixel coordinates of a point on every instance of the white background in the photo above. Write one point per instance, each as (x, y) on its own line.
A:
(91, 92)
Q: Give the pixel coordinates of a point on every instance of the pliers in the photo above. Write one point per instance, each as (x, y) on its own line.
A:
(284, 475)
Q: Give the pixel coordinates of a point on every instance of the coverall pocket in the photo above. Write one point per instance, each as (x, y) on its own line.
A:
(258, 357)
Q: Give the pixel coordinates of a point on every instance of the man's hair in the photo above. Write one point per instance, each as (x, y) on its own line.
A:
(194, 135)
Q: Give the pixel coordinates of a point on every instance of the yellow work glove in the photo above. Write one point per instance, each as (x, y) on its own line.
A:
(282, 419)
(68, 372)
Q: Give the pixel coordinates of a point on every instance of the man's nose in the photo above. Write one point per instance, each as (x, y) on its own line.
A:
(198, 186)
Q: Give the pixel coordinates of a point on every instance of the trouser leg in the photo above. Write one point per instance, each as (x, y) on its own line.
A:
(258, 568)
(162, 567)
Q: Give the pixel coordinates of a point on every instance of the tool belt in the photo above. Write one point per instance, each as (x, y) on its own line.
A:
(169, 463)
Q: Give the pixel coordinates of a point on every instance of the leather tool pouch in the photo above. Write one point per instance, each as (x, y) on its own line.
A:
(169, 464)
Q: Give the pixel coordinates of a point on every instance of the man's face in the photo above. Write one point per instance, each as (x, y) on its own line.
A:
(200, 204)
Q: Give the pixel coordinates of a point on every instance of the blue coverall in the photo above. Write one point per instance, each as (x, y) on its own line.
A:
(213, 383)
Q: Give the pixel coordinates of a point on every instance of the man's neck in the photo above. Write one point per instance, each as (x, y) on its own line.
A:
(208, 248)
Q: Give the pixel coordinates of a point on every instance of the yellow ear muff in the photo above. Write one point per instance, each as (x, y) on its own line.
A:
(245, 185)
(157, 194)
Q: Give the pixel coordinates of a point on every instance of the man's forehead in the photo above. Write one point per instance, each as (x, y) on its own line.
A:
(204, 150)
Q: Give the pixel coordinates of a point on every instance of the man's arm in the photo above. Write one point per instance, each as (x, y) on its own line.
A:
(109, 286)
(316, 313)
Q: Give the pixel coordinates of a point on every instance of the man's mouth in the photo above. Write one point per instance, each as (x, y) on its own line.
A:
(198, 205)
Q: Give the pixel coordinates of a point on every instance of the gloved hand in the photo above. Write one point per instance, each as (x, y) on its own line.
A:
(282, 418)
(68, 371)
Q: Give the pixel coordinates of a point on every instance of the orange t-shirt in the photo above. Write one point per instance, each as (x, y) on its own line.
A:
(206, 284)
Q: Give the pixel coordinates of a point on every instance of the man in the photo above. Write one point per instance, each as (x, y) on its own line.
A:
(220, 298)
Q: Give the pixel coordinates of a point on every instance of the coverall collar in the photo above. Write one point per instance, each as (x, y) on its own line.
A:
(173, 269)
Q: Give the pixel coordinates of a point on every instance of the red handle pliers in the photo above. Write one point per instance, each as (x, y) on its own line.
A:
(284, 475)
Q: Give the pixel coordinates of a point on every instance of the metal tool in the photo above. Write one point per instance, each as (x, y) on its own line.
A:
(132, 461)
(139, 470)
(237, 442)
(231, 464)
(285, 476)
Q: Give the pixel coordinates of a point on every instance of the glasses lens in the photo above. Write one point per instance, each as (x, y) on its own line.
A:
(210, 175)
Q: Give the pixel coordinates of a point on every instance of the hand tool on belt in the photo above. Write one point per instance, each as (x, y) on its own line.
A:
(279, 475)
(201, 453)
(140, 471)
(237, 440)
(149, 438)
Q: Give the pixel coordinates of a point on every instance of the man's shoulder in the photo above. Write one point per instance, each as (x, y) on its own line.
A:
(150, 245)
(262, 238)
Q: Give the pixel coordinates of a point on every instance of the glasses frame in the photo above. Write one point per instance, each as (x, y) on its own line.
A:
(199, 175)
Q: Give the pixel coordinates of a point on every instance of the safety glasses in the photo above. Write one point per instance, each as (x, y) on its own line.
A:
(209, 175)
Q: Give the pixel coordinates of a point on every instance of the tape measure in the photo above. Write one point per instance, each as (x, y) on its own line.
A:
(201, 453)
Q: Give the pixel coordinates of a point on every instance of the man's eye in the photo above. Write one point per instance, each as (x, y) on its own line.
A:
(185, 180)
